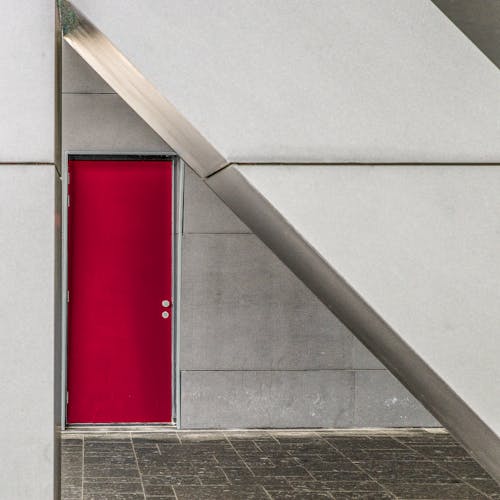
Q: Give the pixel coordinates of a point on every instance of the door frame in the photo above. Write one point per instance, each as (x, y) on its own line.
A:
(177, 230)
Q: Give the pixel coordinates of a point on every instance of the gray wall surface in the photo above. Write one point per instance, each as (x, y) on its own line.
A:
(28, 390)
(383, 81)
(256, 348)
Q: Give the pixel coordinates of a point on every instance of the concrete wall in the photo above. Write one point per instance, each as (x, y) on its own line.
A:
(27, 346)
(29, 216)
(288, 81)
(257, 349)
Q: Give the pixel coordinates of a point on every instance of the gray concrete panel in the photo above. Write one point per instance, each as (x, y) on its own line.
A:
(27, 95)
(290, 81)
(27, 344)
(242, 309)
(362, 358)
(78, 76)
(381, 401)
(97, 122)
(204, 212)
(246, 399)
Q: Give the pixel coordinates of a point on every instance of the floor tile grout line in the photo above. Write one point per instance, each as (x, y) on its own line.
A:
(137, 465)
(240, 457)
(440, 466)
(387, 490)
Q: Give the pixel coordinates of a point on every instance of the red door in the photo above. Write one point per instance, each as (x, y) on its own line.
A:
(119, 279)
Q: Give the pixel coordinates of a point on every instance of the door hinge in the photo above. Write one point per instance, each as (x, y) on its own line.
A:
(68, 177)
(67, 397)
(67, 295)
(68, 200)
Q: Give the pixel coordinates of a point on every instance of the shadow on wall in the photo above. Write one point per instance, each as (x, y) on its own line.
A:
(479, 20)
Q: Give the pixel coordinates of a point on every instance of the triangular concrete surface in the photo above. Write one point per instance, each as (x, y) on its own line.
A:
(406, 256)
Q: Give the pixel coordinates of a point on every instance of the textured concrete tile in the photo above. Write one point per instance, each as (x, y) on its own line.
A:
(347, 443)
(407, 472)
(107, 485)
(442, 452)
(302, 495)
(266, 399)
(204, 212)
(381, 401)
(96, 122)
(465, 469)
(228, 492)
(438, 491)
(362, 358)
(78, 76)
(243, 309)
(290, 464)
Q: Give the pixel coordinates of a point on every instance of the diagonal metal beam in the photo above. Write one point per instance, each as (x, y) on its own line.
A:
(160, 114)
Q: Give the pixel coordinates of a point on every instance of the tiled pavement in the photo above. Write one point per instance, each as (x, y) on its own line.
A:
(270, 465)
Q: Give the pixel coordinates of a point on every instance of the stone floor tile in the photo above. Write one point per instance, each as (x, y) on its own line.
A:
(220, 493)
(488, 486)
(443, 452)
(336, 486)
(298, 495)
(204, 465)
(407, 472)
(363, 496)
(108, 485)
(365, 443)
(412, 491)
(112, 496)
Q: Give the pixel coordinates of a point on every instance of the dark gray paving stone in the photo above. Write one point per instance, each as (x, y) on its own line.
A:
(403, 455)
(362, 496)
(427, 438)
(112, 496)
(220, 493)
(442, 452)
(296, 495)
(433, 491)
(162, 437)
(108, 485)
(365, 443)
(336, 486)
(354, 475)
(294, 471)
(339, 465)
(487, 486)
(71, 442)
(156, 485)
(260, 465)
(407, 472)
(465, 469)
(71, 491)
(104, 470)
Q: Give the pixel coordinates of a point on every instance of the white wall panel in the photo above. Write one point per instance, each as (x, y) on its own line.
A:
(27, 98)
(27, 365)
(292, 81)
